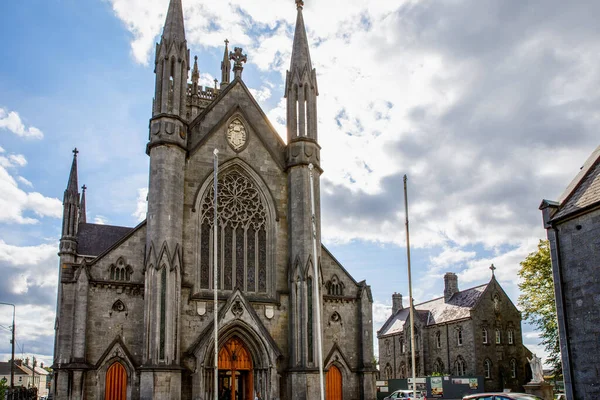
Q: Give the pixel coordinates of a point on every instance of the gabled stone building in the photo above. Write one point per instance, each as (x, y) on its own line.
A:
(135, 305)
(476, 331)
(573, 227)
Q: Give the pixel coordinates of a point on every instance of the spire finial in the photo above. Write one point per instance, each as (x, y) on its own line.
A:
(225, 66)
(84, 188)
(75, 151)
(299, 4)
(493, 269)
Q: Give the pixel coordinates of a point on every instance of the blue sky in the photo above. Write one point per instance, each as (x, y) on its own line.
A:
(487, 106)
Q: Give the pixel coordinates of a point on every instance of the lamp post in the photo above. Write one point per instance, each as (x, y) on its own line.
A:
(12, 361)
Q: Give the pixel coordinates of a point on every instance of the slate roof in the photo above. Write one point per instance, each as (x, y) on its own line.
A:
(584, 189)
(93, 239)
(5, 369)
(436, 311)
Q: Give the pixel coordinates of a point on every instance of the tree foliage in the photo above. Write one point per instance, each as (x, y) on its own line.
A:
(537, 300)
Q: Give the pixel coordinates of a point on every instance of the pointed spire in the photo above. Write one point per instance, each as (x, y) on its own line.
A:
(225, 66)
(195, 77)
(82, 212)
(174, 30)
(72, 186)
(300, 53)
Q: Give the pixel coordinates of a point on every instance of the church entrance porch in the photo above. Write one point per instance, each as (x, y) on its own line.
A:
(235, 371)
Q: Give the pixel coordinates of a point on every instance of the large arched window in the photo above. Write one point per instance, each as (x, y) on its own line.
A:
(438, 366)
(242, 234)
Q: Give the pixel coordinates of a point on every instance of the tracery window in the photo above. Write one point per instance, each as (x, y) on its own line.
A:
(402, 370)
(438, 366)
(459, 366)
(242, 235)
(388, 371)
(335, 287)
(120, 271)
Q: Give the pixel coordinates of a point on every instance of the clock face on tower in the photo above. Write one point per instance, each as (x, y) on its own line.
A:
(236, 135)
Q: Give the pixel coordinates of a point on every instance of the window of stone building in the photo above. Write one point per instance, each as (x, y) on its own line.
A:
(459, 336)
(511, 337)
(459, 366)
(402, 370)
(438, 339)
(487, 368)
(335, 287)
(513, 368)
(243, 234)
(120, 271)
(484, 334)
(402, 346)
(388, 371)
(498, 337)
(438, 366)
(388, 348)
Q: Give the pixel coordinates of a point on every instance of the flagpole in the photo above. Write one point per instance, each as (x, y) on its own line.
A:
(410, 296)
(317, 280)
(215, 275)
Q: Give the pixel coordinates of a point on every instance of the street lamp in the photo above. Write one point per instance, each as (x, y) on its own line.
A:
(12, 361)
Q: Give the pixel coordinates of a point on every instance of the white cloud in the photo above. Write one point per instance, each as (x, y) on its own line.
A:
(11, 121)
(100, 220)
(261, 94)
(141, 205)
(24, 181)
(14, 202)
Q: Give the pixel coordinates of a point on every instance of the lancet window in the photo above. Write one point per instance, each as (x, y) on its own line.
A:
(242, 235)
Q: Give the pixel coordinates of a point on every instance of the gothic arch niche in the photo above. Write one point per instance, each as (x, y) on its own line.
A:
(246, 225)
(261, 350)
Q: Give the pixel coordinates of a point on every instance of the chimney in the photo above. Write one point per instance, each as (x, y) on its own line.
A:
(450, 285)
(396, 302)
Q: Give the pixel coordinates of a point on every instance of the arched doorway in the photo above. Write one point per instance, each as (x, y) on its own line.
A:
(235, 371)
(333, 384)
(116, 383)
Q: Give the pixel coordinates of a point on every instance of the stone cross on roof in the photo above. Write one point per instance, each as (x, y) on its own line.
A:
(493, 269)
(238, 58)
(75, 151)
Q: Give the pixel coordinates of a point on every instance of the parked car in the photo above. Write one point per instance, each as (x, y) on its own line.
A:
(502, 396)
(403, 394)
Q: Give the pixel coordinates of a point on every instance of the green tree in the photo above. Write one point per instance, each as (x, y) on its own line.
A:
(537, 300)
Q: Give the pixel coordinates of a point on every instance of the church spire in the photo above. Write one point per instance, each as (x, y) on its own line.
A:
(174, 30)
(301, 86)
(68, 243)
(172, 64)
(195, 77)
(225, 66)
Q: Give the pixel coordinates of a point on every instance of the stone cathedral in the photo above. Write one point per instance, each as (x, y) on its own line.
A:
(135, 315)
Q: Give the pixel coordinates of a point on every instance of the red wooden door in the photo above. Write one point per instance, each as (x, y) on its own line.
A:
(333, 384)
(116, 382)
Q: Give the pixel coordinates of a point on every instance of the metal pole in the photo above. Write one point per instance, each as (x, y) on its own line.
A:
(317, 280)
(12, 363)
(410, 296)
(215, 281)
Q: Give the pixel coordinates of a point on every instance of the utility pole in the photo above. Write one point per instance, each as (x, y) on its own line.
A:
(12, 361)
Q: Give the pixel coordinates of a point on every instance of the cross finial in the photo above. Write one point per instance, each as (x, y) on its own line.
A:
(299, 4)
(493, 269)
(84, 187)
(238, 58)
(75, 151)
(226, 42)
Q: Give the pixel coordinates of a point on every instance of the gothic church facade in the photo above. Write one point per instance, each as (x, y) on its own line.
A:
(135, 305)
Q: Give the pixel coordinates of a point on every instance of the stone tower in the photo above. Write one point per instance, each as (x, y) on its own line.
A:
(161, 373)
(302, 149)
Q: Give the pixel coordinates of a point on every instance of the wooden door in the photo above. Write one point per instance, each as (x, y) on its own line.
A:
(116, 383)
(235, 361)
(333, 384)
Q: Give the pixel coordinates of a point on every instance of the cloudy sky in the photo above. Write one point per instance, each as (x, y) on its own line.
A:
(487, 106)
